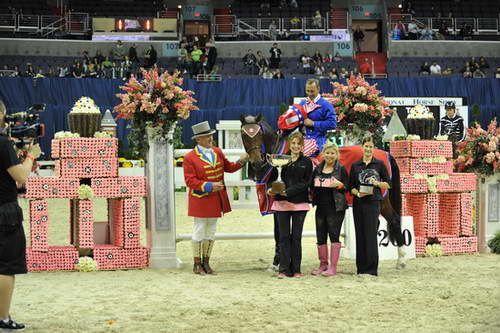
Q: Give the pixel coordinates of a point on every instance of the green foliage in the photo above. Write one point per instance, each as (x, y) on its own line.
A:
(476, 114)
(494, 243)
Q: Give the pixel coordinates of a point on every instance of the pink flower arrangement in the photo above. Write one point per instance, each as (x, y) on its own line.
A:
(359, 105)
(479, 152)
(156, 102)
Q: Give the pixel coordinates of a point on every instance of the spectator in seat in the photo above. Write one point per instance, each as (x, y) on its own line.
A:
(435, 68)
(305, 62)
(181, 58)
(150, 57)
(40, 74)
(267, 74)
(319, 70)
(17, 72)
(278, 74)
(466, 31)
(261, 62)
(275, 58)
(317, 58)
(467, 73)
(118, 51)
(478, 74)
(497, 73)
(483, 64)
(426, 34)
(211, 55)
(413, 30)
(448, 71)
(91, 71)
(327, 58)
(443, 29)
(425, 69)
(473, 64)
(355, 72)
(316, 20)
(132, 53)
(359, 36)
(402, 29)
(99, 58)
(106, 67)
(30, 71)
(337, 57)
(344, 74)
(273, 31)
(286, 35)
(293, 4)
(365, 67)
(333, 74)
(127, 65)
(78, 71)
(250, 62)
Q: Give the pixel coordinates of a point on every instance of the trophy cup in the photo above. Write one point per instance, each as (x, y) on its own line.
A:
(278, 161)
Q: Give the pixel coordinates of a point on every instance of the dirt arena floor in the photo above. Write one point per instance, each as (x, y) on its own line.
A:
(445, 294)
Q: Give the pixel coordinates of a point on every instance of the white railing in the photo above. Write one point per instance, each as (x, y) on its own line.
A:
(487, 25)
(74, 23)
(28, 23)
(208, 77)
(8, 22)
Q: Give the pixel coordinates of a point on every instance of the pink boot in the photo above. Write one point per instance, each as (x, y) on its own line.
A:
(334, 254)
(323, 260)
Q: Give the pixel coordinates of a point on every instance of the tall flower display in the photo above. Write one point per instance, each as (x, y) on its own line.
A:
(359, 107)
(157, 102)
(480, 151)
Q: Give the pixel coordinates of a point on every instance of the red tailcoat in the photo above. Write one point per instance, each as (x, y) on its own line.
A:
(198, 174)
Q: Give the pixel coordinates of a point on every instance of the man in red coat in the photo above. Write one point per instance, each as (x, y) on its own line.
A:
(204, 169)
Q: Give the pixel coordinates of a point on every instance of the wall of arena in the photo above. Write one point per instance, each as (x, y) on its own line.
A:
(443, 48)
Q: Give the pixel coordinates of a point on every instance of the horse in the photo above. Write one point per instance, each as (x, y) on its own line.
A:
(260, 139)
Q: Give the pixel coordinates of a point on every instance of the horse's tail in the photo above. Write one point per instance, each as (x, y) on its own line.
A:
(394, 218)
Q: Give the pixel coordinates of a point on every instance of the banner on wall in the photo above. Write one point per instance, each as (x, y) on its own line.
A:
(344, 49)
(170, 49)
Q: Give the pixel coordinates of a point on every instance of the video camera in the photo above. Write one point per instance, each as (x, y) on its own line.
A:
(26, 125)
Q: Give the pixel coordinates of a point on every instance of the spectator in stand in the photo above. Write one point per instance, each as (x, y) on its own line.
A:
(327, 58)
(478, 74)
(118, 51)
(278, 74)
(293, 4)
(261, 62)
(39, 75)
(413, 30)
(354, 72)
(317, 20)
(426, 33)
(98, 57)
(17, 72)
(435, 69)
(91, 71)
(62, 71)
(497, 74)
(334, 75)
(483, 64)
(402, 29)
(286, 34)
(211, 55)
(250, 62)
(466, 66)
(127, 65)
(443, 29)
(78, 71)
(317, 58)
(132, 53)
(337, 57)
(30, 71)
(448, 71)
(467, 73)
(50, 72)
(473, 64)
(150, 57)
(466, 31)
(425, 69)
(273, 31)
(275, 58)
(305, 62)
(181, 58)
(365, 68)
(344, 74)
(190, 65)
(295, 22)
(106, 67)
(319, 70)
(267, 74)
(86, 57)
(359, 36)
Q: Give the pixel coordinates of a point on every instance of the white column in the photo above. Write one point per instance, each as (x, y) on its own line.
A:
(160, 213)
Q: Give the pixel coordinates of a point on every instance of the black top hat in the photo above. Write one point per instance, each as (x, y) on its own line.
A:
(202, 129)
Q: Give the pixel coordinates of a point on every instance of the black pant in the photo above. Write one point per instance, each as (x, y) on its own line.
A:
(366, 213)
(328, 222)
(276, 259)
(291, 240)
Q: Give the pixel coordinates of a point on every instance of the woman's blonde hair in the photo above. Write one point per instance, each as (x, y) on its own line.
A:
(330, 145)
(296, 135)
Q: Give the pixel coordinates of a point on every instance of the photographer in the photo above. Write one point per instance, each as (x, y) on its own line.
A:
(12, 238)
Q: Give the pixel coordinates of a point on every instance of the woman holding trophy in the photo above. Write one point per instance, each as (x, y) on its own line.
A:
(328, 188)
(291, 203)
(368, 176)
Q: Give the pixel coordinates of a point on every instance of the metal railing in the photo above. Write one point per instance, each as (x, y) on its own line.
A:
(8, 22)
(487, 25)
(73, 23)
(28, 23)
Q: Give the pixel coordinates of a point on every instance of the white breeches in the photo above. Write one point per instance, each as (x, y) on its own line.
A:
(204, 228)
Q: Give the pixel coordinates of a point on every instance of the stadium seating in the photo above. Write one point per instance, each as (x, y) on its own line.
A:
(410, 66)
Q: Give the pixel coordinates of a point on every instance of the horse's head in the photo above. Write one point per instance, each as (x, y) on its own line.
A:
(253, 138)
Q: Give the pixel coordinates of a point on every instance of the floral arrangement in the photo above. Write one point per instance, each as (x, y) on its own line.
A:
(359, 108)
(480, 151)
(442, 137)
(86, 264)
(156, 102)
(102, 135)
(420, 112)
(434, 250)
(85, 105)
(413, 137)
(85, 192)
(66, 135)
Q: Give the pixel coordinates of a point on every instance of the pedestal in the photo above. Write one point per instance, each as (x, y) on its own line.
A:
(160, 213)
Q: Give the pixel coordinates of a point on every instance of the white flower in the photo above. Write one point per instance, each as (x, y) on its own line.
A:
(102, 135)
(434, 250)
(420, 112)
(66, 135)
(85, 105)
(442, 137)
(86, 264)
(413, 137)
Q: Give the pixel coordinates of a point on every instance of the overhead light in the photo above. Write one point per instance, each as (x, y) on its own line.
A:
(179, 6)
(400, 6)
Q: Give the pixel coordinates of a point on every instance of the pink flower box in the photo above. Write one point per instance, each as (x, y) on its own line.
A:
(86, 168)
(449, 213)
(420, 244)
(417, 166)
(411, 185)
(52, 187)
(421, 148)
(85, 224)
(457, 182)
(62, 258)
(425, 211)
(85, 148)
(39, 225)
(125, 222)
(125, 186)
(36, 261)
(113, 257)
(457, 245)
(466, 214)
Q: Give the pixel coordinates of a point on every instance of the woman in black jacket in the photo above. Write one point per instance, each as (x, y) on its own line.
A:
(328, 187)
(367, 178)
(291, 206)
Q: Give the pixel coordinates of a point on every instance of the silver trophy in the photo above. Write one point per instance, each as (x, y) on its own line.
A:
(366, 179)
(278, 161)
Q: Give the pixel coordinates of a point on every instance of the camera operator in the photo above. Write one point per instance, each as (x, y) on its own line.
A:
(12, 238)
